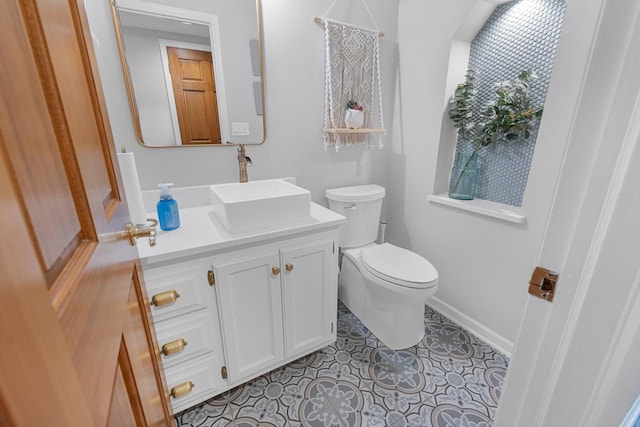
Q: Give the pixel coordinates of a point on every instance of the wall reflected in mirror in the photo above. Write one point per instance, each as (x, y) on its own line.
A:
(193, 73)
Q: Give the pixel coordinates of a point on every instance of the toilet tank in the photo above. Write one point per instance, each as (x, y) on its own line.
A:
(361, 205)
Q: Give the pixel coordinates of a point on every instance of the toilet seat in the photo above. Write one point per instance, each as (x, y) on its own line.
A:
(399, 266)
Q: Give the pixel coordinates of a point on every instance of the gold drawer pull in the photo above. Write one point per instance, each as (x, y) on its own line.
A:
(164, 298)
(275, 270)
(288, 267)
(173, 347)
(182, 389)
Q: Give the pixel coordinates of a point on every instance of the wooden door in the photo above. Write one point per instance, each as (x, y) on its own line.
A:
(194, 91)
(250, 305)
(309, 288)
(76, 342)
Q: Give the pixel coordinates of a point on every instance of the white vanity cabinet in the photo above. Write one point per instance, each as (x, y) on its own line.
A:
(229, 308)
(277, 304)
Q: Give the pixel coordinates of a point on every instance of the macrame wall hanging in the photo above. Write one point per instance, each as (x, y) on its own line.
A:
(353, 111)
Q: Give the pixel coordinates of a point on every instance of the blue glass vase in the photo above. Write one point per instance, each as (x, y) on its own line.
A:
(464, 176)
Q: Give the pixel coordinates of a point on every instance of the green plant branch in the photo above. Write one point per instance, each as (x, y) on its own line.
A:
(510, 117)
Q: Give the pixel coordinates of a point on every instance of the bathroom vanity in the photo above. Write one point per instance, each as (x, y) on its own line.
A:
(230, 307)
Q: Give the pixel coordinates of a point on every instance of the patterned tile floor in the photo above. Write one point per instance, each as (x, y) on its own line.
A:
(449, 379)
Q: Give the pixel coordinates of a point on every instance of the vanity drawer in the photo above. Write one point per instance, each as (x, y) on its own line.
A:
(178, 288)
(203, 374)
(198, 330)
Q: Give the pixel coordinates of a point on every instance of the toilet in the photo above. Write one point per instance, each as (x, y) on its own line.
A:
(385, 286)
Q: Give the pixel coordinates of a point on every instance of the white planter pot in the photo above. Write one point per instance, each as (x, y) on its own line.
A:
(353, 119)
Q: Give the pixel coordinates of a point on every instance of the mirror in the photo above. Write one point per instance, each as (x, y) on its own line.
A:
(194, 73)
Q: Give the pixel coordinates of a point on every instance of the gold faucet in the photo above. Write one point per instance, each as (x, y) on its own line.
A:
(243, 162)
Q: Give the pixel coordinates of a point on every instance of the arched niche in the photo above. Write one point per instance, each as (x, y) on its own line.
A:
(499, 39)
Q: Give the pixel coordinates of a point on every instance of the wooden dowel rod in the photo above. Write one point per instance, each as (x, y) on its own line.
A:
(320, 20)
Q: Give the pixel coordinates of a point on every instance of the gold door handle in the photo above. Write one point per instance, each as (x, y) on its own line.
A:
(288, 267)
(174, 347)
(164, 298)
(133, 232)
(275, 270)
(182, 389)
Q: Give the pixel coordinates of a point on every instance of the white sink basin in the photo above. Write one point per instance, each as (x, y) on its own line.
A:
(253, 205)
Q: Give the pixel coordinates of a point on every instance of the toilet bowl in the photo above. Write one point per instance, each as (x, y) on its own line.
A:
(385, 286)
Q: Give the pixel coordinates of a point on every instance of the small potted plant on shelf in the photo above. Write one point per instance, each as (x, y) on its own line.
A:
(354, 115)
(511, 117)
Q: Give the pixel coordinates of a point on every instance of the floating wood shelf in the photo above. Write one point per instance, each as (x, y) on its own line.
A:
(345, 130)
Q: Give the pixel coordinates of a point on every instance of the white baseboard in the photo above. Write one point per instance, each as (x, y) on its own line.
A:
(487, 335)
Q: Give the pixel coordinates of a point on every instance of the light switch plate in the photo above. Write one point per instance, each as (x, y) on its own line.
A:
(240, 128)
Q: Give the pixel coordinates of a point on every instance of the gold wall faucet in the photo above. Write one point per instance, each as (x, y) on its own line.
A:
(243, 162)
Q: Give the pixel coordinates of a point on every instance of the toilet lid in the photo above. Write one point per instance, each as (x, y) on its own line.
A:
(399, 266)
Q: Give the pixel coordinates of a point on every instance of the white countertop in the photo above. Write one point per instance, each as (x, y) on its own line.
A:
(200, 232)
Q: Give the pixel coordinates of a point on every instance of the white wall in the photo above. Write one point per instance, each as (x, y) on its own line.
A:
(484, 263)
(294, 75)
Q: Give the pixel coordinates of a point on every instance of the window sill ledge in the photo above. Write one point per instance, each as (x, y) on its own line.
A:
(482, 207)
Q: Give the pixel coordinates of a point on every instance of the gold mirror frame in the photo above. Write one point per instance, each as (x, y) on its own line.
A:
(133, 106)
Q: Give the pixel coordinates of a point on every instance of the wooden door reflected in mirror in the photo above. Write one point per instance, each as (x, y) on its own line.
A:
(194, 92)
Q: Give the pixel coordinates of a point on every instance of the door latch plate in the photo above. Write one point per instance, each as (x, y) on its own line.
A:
(543, 283)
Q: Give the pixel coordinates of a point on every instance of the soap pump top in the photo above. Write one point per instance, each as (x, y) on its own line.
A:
(168, 214)
(164, 190)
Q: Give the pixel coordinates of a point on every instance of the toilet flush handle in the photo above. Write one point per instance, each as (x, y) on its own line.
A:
(352, 207)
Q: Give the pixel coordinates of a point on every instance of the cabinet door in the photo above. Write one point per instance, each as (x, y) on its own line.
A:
(250, 305)
(309, 287)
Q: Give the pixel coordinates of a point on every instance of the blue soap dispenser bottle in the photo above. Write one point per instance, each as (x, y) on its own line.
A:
(168, 214)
